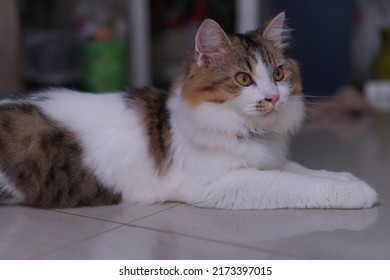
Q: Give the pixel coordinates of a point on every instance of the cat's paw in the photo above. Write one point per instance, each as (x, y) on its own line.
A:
(345, 176)
(355, 194)
(342, 176)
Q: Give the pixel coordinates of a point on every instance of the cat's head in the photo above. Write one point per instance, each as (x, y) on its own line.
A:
(245, 75)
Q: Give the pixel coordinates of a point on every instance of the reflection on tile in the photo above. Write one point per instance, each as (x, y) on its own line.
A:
(260, 229)
(138, 243)
(341, 245)
(26, 232)
(259, 225)
(123, 213)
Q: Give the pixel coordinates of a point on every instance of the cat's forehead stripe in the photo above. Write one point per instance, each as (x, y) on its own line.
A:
(249, 44)
(267, 57)
(248, 64)
(252, 47)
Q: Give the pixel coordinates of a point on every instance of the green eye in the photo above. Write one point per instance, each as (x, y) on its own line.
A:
(278, 74)
(244, 79)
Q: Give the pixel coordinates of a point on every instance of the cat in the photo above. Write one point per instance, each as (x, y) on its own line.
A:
(217, 139)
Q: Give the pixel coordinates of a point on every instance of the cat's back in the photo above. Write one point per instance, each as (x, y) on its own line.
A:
(89, 116)
(42, 152)
(61, 148)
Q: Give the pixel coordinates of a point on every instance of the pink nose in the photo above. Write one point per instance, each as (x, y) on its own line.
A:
(272, 99)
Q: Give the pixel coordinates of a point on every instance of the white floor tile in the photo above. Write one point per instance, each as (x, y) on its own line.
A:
(26, 232)
(137, 243)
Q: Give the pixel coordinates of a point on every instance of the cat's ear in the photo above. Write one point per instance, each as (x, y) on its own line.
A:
(210, 40)
(275, 29)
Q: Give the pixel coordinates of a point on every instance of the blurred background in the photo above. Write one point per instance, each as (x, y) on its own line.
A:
(108, 45)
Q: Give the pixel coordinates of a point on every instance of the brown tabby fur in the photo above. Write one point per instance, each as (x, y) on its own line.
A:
(45, 161)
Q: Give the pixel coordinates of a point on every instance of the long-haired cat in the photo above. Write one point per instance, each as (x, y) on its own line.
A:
(218, 139)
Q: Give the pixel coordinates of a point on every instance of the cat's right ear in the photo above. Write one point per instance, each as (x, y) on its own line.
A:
(275, 29)
(209, 41)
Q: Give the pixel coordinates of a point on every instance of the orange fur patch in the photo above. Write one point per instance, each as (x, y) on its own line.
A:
(205, 87)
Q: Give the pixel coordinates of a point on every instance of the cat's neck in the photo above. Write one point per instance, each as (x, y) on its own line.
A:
(203, 118)
(203, 129)
(207, 125)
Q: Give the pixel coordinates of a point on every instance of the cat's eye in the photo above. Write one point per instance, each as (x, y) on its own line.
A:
(278, 74)
(244, 79)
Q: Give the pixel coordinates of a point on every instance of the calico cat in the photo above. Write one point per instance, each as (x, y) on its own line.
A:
(217, 139)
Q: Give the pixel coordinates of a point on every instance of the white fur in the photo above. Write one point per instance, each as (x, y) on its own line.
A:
(218, 159)
(7, 186)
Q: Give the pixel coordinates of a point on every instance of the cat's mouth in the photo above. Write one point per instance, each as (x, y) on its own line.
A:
(267, 109)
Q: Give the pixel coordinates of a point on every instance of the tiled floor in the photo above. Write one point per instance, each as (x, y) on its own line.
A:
(175, 231)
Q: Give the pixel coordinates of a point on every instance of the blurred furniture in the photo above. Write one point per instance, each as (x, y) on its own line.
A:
(10, 60)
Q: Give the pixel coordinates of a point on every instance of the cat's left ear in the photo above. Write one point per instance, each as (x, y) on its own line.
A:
(209, 41)
(275, 30)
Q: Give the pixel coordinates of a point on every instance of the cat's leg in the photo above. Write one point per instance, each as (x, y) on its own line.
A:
(294, 167)
(254, 189)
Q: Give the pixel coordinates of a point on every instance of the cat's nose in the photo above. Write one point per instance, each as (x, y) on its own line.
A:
(272, 98)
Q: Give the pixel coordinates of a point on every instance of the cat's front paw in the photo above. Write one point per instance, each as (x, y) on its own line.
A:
(356, 194)
(345, 176)
(342, 176)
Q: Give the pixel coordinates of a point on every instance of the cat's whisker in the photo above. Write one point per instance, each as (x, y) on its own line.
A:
(327, 105)
(317, 96)
(313, 109)
(310, 118)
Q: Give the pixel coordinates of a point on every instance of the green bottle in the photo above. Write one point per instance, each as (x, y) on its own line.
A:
(103, 66)
(382, 61)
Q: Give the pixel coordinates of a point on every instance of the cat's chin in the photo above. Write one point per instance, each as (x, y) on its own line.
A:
(270, 114)
(263, 121)
(277, 121)
(267, 117)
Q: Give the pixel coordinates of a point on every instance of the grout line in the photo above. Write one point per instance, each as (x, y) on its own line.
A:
(272, 252)
(136, 220)
(217, 241)
(74, 243)
(88, 217)
(111, 221)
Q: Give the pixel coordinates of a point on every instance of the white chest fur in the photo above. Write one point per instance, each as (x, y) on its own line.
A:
(209, 144)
